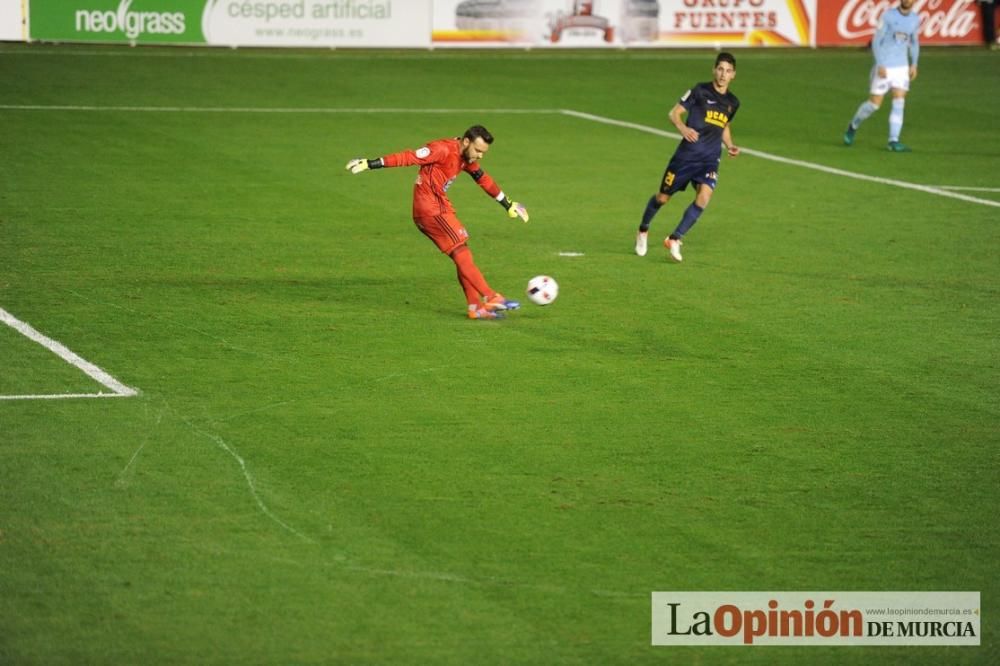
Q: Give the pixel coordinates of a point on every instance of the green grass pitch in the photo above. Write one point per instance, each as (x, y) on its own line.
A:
(327, 463)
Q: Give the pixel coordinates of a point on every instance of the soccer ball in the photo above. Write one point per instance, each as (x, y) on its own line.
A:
(542, 289)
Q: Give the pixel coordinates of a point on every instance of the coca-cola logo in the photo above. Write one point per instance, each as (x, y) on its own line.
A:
(859, 18)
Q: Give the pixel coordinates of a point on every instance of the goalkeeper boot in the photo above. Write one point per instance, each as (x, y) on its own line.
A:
(479, 312)
(640, 243)
(897, 147)
(849, 135)
(674, 246)
(499, 302)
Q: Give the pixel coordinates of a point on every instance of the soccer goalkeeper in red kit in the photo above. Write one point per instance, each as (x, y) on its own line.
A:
(440, 163)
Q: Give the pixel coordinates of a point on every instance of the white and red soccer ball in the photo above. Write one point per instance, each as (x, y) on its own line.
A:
(542, 290)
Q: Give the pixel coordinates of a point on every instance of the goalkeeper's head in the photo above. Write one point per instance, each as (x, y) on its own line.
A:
(475, 142)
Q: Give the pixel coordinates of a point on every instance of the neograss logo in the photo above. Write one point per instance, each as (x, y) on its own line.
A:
(133, 24)
(815, 618)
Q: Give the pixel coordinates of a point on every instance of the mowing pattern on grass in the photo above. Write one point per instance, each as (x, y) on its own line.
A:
(328, 462)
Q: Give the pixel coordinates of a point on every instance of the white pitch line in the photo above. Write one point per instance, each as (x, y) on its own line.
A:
(60, 350)
(799, 163)
(63, 396)
(969, 189)
(938, 191)
(250, 109)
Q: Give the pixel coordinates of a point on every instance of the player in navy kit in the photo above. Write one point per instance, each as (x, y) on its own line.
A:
(710, 108)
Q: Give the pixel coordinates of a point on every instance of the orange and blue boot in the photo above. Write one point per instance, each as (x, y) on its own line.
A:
(498, 302)
(480, 312)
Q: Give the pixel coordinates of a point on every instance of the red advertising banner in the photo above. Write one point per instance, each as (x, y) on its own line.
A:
(853, 22)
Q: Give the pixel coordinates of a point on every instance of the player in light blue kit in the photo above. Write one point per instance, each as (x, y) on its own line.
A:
(896, 49)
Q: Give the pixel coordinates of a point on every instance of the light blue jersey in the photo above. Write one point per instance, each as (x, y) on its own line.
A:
(896, 38)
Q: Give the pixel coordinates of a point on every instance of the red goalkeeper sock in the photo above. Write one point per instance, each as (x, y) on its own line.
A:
(473, 283)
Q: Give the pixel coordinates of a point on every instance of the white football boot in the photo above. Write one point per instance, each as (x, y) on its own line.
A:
(674, 246)
(640, 243)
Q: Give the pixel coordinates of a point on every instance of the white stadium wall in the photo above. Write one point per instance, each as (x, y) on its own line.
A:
(12, 28)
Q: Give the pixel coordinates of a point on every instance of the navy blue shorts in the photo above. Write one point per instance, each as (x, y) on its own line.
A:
(680, 172)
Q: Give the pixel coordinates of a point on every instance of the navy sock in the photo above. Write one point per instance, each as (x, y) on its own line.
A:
(647, 215)
(691, 215)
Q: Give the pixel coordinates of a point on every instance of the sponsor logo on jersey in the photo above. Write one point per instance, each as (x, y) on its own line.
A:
(717, 118)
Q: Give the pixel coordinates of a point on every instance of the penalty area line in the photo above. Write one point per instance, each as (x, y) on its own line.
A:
(969, 189)
(950, 192)
(939, 191)
(119, 390)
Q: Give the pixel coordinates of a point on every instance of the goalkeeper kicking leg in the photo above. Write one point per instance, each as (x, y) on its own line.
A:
(450, 236)
(477, 289)
(440, 163)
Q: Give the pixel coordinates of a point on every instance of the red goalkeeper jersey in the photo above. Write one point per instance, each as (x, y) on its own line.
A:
(440, 163)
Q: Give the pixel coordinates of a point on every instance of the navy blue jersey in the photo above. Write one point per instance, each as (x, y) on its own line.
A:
(708, 112)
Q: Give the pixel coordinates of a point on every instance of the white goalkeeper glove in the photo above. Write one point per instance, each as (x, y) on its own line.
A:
(359, 164)
(515, 209)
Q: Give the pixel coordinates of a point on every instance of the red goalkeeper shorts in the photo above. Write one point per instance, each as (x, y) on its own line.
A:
(446, 231)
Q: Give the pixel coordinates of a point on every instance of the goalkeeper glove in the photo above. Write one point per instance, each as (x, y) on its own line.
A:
(359, 164)
(514, 209)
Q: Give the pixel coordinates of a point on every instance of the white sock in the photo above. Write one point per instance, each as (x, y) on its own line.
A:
(866, 109)
(896, 118)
